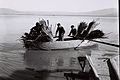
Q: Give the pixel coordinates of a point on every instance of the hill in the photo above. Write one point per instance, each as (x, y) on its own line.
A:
(111, 12)
(6, 11)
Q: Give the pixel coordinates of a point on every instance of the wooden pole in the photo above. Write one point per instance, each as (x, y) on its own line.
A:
(113, 70)
(115, 45)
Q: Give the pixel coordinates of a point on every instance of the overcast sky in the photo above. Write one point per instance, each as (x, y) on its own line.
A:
(58, 5)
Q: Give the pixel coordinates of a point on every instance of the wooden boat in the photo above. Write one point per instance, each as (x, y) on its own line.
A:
(61, 45)
(46, 41)
(59, 55)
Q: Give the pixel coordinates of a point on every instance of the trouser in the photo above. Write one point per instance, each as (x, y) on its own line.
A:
(61, 37)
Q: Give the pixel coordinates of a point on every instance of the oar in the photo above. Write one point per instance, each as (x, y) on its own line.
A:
(115, 45)
(79, 44)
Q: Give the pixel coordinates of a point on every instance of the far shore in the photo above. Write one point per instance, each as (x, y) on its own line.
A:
(54, 15)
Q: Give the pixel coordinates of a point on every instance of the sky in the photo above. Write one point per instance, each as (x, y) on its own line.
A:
(58, 5)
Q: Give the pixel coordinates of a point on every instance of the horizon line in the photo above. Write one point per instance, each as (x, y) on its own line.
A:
(61, 11)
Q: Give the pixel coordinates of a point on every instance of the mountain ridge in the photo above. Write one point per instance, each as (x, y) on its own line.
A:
(110, 12)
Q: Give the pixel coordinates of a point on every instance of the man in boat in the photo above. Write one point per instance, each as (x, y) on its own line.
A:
(61, 31)
(73, 31)
(35, 31)
(45, 33)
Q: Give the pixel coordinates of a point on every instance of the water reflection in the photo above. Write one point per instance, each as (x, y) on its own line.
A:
(51, 60)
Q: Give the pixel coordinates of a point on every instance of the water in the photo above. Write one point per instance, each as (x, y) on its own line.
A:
(14, 26)
(12, 52)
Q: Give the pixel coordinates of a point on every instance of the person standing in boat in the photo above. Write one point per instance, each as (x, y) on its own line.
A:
(73, 31)
(61, 31)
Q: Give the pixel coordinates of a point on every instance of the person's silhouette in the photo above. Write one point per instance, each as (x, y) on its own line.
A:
(61, 31)
(73, 31)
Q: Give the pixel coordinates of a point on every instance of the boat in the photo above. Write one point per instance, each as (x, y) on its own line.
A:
(61, 45)
(52, 54)
(46, 53)
(46, 41)
(43, 39)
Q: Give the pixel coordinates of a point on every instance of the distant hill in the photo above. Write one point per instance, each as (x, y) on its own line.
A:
(6, 11)
(111, 12)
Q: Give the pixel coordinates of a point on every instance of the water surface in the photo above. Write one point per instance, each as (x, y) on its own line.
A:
(13, 57)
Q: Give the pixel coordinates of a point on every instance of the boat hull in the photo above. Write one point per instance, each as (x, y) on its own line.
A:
(60, 45)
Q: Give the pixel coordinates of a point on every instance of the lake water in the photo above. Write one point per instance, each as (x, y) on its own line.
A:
(12, 27)
(13, 54)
